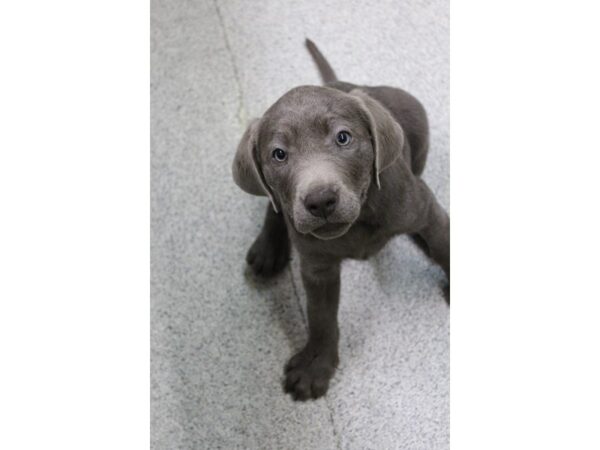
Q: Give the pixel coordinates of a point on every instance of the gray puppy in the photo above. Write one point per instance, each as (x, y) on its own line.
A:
(341, 165)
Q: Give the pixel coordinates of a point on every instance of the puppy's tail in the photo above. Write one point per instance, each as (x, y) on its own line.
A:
(327, 73)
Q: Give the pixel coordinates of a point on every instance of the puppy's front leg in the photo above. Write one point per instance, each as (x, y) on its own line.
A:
(308, 372)
(270, 252)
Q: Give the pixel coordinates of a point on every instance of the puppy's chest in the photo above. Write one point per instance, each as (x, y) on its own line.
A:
(361, 241)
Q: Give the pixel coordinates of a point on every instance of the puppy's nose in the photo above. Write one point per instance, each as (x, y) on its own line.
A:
(321, 202)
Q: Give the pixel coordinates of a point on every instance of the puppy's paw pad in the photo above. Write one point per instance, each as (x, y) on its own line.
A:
(307, 376)
(268, 256)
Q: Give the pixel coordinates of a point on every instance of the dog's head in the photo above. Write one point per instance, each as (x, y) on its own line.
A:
(315, 153)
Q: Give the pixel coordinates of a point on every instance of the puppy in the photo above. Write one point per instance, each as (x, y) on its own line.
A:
(341, 166)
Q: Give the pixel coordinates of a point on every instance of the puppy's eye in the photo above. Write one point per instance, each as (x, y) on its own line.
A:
(279, 155)
(343, 138)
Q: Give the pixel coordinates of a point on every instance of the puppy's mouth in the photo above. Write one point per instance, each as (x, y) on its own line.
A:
(331, 230)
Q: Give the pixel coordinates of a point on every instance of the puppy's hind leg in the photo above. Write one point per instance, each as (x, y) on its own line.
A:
(420, 242)
(270, 252)
(434, 236)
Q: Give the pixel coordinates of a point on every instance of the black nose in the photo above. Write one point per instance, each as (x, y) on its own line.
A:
(321, 202)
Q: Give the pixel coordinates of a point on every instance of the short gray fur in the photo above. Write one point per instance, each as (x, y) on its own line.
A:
(341, 165)
(218, 335)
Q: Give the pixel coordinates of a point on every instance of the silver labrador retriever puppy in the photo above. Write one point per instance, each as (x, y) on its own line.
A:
(341, 165)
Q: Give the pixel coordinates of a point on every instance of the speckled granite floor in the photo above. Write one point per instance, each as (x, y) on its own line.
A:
(219, 337)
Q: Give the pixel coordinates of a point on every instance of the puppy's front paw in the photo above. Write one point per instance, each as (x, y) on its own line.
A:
(307, 374)
(268, 255)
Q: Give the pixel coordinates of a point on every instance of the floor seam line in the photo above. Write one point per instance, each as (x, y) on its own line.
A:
(240, 113)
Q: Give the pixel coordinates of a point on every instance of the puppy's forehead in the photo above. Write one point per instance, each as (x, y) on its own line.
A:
(309, 106)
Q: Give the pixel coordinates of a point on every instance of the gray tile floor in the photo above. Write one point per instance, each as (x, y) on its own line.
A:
(219, 337)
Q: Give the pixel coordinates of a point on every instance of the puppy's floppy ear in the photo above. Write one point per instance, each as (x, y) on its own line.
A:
(387, 135)
(247, 172)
